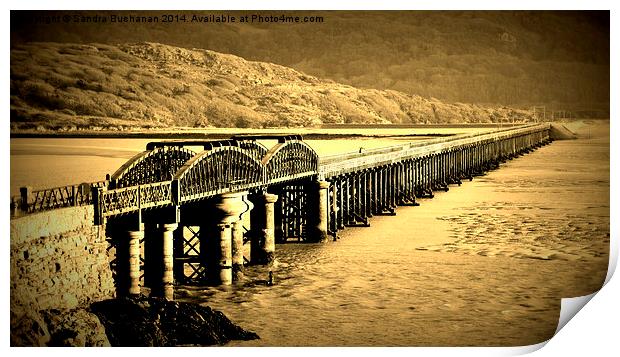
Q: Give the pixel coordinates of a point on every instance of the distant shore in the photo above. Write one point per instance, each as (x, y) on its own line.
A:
(324, 132)
(205, 136)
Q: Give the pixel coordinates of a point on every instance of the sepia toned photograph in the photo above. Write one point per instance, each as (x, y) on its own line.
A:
(305, 178)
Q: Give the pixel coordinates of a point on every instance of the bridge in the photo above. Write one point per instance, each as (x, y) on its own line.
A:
(199, 211)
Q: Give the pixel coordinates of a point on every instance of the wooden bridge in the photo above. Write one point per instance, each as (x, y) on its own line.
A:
(194, 216)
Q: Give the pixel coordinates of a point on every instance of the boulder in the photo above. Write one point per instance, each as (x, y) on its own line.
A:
(142, 321)
(28, 329)
(75, 327)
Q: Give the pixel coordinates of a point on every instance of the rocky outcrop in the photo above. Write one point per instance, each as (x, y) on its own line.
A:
(143, 321)
(137, 321)
(75, 327)
(28, 329)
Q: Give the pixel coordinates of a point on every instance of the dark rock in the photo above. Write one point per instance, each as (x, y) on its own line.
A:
(75, 327)
(142, 321)
(28, 329)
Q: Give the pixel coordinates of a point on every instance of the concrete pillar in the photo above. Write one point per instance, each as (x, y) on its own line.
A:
(218, 239)
(269, 237)
(168, 248)
(164, 280)
(219, 261)
(178, 248)
(263, 226)
(318, 228)
(237, 250)
(238, 231)
(133, 266)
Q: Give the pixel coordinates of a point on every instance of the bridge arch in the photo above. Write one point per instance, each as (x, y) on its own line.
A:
(154, 165)
(290, 160)
(254, 148)
(218, 170)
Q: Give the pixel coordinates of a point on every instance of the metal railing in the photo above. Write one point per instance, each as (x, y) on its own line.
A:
(338, 164)
(31, 201)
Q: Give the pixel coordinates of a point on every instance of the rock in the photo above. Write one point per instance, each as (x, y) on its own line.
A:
(75, 327)
(28, 329)
(69, 299)
(142, 321)
(129, 323)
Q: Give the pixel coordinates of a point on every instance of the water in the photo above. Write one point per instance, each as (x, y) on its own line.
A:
(483, 264)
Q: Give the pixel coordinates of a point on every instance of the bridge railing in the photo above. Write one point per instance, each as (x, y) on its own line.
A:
(383, 150)
(133, 198)
(339, 164)
(31, 201)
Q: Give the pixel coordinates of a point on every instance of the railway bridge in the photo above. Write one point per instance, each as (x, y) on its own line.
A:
(199, 211)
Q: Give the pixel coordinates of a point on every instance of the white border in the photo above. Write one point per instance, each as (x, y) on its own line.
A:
(592, 330)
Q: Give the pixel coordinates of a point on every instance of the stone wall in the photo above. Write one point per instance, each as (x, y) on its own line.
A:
(58, 260)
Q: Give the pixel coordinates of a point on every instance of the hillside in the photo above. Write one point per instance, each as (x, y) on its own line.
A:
(96, 86)
(520, 58)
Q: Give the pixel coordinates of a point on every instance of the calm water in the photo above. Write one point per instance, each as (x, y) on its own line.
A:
(483, 264)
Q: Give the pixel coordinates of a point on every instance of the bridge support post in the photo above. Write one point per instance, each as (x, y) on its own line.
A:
(129, 264)
(318, 227)
(216, 241)
(219, 263)
(237, 240)
(164, 280)
(237, 250)
(263, 225)
(179, 248)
